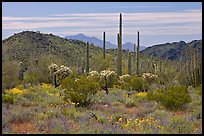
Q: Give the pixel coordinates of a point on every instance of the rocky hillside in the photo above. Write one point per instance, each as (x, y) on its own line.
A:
(172, 51)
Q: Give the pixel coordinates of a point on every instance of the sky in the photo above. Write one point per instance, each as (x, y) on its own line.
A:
(157, 22)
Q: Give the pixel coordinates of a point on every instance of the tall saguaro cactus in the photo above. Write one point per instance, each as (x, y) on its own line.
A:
(119, 71)
(138, 53)
(104, 44)
(129, 63)
(134, 59)
(87, 57)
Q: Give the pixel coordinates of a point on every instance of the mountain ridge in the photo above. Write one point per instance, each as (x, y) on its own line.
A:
(99, 42)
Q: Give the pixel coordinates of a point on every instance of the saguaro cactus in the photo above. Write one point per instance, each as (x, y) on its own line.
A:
(119, 70)
(138, 53)
(134, 60)
(87, 57)
(20, 74)
(120, 48)
(104, 44)
(129, 63)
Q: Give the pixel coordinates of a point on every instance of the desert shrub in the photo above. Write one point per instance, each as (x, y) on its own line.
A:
(130, 103)
(30, 77)
(138, 84)
(174, 97)
(6, 98)
(94, 75)
(79, 91)
(107, 77)
(10, 71)
(124, 82)
(114, 96)
(149, 77)
(59, 72)
(140, 97)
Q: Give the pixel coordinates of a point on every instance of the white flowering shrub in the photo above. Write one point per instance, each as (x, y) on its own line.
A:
(125, 78)
(108, 77)
(53, 68)
(107, 73)
(60, 72)
(94, 75)
(149, 77)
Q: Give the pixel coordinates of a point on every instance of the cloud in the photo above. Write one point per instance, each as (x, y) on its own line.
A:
(185, 22)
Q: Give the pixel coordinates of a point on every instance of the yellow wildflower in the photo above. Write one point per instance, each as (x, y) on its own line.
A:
(120, 119)
(45, 86)
(15, 91)
(142, 94)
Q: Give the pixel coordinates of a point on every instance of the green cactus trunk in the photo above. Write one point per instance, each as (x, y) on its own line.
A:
(200, 73)
(21, 71)
(160, 66)
(129, 63)
(138, 53)
(134, 60)
(187, 66)
(119, 70)
(87, 58)
(195, 67)
(104, 44)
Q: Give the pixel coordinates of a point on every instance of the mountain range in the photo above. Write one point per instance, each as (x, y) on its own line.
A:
(28, 45)
(99, 42)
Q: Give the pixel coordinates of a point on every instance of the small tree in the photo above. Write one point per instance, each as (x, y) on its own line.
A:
(59, 72)
(107, 76)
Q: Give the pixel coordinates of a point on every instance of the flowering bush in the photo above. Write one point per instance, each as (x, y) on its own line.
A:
(107, 73)
(108, 77)
(53, 68)
(94, 75)
(149, 77)
(125, 78)
(62, 72)
(59, 72)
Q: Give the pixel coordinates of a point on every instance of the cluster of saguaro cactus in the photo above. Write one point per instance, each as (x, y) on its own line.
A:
(104, 45)
(193, 70)
(137, 53)
(87, 57)
(129, 63)
(119, 68)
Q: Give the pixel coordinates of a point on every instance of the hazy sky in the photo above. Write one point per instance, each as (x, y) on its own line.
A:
(158, 22)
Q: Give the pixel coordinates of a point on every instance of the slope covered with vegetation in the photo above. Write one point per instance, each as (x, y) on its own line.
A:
(172, 51)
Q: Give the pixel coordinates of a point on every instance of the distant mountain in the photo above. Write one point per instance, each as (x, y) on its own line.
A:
(92, 40)
(172, 51)
(99, 42)
(130, 46)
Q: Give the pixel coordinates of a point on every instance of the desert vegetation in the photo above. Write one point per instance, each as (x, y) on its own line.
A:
(78, 88)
